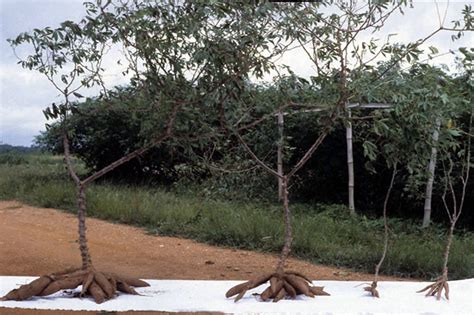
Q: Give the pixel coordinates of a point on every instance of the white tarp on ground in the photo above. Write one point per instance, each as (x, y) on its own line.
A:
(194, 295)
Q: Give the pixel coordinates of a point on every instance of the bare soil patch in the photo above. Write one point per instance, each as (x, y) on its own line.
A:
(36, 241)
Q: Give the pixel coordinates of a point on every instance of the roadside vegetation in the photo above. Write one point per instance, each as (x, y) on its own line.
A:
(197, 117)
(323, 233)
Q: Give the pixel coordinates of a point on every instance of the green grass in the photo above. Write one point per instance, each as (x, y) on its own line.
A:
(323, 233)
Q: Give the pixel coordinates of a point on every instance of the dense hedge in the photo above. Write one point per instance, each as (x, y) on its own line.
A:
(109, 133)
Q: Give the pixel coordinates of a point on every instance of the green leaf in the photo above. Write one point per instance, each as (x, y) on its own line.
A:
(433, 50)
(454, 132)
(444, 98)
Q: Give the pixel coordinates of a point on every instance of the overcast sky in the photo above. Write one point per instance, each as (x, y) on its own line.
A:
(23, 93)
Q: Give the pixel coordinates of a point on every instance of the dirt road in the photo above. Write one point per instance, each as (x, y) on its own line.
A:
(36, 241)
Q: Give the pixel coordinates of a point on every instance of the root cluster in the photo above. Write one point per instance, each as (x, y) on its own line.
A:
(372, 289)
(101, 286)
(282, 285)
(437, 288)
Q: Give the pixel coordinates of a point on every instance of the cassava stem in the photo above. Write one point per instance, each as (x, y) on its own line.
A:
(385, 224)
(285, 252)
(81, 203)
(372, 289)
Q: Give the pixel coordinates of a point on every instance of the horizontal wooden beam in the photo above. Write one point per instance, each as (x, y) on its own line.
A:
(370, 105)
(350, 105)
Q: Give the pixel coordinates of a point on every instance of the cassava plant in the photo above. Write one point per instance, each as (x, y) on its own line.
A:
(53, 49)
(169, 48)
(389, 142)
(453, 209)
(457, 161)
(73, 53)
(283, 283)
(71, 57)
(395, 147)
(372, 289)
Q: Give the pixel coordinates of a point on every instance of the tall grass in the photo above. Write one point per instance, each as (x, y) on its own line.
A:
(323, 233)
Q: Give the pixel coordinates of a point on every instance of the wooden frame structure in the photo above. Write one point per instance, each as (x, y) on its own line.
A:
(349, 142)
(350, 160)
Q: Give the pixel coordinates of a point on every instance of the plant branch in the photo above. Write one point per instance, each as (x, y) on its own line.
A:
(67, 159)
(255, 157)
(166, 134)
(309, 153)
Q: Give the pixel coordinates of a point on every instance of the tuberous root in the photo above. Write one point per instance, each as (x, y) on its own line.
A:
(282, 285)
(372, 289)
(100, 286)
(436, 289)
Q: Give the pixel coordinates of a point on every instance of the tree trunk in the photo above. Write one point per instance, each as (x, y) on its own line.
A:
(350, 164)
(285, 252)
(280, 155)
(431, 174)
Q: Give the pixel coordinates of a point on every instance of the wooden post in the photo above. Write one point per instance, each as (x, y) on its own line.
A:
(350, 159)
(350, 162)
(431, 173)
(280, 155)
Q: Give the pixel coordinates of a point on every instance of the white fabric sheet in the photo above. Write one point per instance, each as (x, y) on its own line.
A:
(196, 295)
